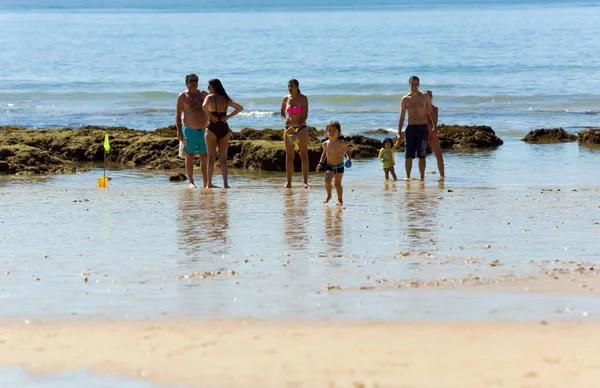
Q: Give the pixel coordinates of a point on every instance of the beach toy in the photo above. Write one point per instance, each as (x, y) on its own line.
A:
(102, 182)
(293, 139)
(348, 163)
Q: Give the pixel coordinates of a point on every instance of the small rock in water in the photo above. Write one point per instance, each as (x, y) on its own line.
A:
(177, 177)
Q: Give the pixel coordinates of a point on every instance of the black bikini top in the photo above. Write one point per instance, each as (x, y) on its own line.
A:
(216, 113)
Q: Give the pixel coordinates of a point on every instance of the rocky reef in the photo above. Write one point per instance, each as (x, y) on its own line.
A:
(460, 136)
(588, 136)
(549, 135)
(67, 150)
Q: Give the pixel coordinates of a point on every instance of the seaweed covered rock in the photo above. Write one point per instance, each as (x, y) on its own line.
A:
(267, 155)
(379, 131)
(24, 159)
(362, 146)
(60, 150)
(464, 136)
(549, 135)
(271, 134)
(253, 134)
(589, 136)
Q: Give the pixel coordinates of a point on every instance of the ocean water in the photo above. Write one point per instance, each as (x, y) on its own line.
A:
(515, 66)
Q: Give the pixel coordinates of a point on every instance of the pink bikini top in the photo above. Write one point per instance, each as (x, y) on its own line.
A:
(294, 110)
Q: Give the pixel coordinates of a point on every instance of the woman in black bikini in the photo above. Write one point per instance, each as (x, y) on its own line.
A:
(295, 105)
(217, 134)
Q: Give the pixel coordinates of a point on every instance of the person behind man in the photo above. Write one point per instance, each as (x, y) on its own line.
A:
(434, 142)
(418, 106)
(191, 122)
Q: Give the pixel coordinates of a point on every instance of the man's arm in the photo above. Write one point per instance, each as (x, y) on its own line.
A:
(178, 113)
(400, 122)
(402, 115)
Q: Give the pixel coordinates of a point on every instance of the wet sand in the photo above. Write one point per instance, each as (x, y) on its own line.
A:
(467, 282)
(250, 353)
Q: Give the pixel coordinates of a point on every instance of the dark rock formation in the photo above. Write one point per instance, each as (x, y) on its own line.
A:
(459, 136)
(589, 136)
(63, 150)
(21, 158)
(549, 135)
(177, 177)
(380, 131)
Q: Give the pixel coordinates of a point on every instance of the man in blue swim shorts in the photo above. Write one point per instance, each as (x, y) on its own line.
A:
(419, 110)
(191, 122)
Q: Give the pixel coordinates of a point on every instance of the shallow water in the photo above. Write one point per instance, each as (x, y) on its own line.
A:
(19, 377)
(140, 242)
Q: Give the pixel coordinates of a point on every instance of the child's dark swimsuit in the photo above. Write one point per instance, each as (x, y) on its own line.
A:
(220, 128)
(336, 168)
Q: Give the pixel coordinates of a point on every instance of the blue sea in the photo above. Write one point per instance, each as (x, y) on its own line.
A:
(513, 65)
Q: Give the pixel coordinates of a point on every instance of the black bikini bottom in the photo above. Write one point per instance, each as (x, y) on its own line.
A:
(220, 129)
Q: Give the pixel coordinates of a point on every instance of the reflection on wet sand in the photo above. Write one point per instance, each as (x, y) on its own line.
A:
(204, 222)
(420, 213)
(333, 227)
(296, 218)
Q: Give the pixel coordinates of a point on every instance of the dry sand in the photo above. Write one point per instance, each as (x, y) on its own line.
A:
(249, 353)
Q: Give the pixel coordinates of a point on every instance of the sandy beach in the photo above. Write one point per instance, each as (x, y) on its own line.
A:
(257, 353)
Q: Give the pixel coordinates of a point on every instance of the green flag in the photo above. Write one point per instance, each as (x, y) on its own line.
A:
(106, 145)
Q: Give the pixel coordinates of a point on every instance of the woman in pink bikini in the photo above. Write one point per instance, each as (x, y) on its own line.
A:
(294, 111)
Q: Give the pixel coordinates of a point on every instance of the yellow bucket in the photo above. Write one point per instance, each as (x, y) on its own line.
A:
(102, 182)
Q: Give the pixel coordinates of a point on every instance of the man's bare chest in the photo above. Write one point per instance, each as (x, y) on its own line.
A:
(417, 103)
(194, 101)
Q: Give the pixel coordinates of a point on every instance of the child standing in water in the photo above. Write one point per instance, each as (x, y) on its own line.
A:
(386, 155)
(334, 150)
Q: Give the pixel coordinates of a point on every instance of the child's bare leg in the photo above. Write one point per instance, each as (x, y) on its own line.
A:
(338, 188)
(394, 175)
(328, 176)
(387, 175)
